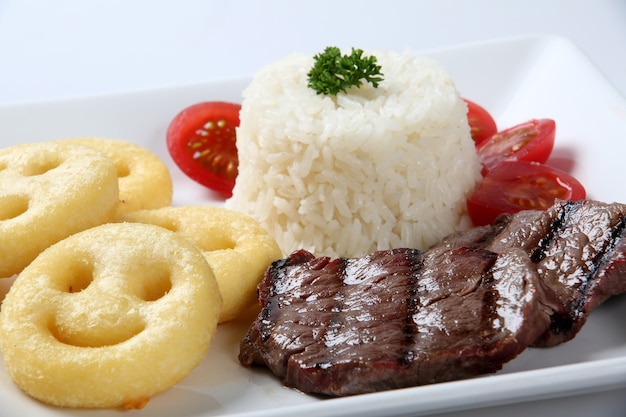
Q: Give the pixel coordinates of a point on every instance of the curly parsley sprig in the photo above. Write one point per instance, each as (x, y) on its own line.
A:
(333, 72)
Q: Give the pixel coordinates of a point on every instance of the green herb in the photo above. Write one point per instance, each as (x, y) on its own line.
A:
(333, 72)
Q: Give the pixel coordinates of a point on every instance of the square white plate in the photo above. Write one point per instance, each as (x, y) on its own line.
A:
(516, 79)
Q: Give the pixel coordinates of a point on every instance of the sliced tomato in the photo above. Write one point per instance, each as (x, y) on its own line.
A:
(530, 141)
(482, 125)
(513, 186)
(201, 141)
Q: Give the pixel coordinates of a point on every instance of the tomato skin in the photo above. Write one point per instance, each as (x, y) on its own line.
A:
(201, 141)
(531, 141)
(514, 186)
(482, 125)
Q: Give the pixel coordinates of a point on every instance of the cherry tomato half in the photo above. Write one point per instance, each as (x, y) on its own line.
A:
(201, 141)
(530, 141)
(513, 186)
(482, 125)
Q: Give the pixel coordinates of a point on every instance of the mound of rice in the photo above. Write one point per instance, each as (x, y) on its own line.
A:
(372, 169)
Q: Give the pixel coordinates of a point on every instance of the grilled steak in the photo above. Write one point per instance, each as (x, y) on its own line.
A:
(462, 308)
(579, 251)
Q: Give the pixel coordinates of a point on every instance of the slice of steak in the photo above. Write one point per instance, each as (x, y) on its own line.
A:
(578, 249)
(306, 311)
(394, 318)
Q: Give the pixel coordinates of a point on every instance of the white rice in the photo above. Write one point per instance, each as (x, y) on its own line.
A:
(373, 169)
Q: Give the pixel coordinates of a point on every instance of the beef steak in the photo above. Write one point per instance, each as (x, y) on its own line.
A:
(463, 308)
(393, 319)
(579, 251)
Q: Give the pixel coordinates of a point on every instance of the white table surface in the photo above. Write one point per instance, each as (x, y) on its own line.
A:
(68, 48)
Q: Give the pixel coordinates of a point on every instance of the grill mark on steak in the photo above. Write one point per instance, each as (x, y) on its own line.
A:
(412, 303)
(556, 226)
(610, 277)
(462, 308)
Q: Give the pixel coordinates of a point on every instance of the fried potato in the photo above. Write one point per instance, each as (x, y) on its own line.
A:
(144, 180)
(236, 246)
(49, 191)
(109, 317)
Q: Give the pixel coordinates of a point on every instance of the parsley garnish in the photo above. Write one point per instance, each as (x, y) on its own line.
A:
(333, 72)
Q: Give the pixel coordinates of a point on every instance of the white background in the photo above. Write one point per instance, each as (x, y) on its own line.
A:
(53, 49)
(68, 48)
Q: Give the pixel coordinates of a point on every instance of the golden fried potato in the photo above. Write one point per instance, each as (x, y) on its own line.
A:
(237, 247)
(144, 180)
(109, 317)
(47, 192)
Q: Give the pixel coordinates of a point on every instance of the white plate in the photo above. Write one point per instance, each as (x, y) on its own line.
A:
(517, 79)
